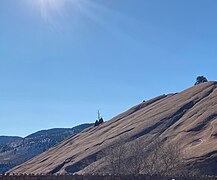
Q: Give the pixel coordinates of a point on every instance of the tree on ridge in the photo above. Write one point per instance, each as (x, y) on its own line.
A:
(200, 79)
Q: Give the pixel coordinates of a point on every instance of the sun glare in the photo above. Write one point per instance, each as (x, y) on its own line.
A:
(52, 11)
(48, 6)
(48, 9)
(52, 4)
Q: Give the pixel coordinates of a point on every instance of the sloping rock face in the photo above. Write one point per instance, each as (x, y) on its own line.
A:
(188, 118)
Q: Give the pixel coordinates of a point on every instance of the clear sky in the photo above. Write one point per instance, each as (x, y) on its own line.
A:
(62, 60)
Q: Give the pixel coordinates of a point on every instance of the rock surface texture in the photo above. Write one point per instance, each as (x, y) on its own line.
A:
(188, 118)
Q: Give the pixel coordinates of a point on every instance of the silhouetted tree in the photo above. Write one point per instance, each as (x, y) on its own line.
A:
(96, 123)
(200, 79)
(99, 120)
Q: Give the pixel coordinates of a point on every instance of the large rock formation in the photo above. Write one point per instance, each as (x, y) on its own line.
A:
(188, 118)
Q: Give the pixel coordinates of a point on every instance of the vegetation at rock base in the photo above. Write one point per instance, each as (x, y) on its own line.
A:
(136, 158)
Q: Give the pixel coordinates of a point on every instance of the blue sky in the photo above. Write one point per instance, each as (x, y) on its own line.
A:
(62, 60)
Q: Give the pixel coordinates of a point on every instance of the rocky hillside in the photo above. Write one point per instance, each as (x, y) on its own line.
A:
(16, 150)
(7, 139)
(188, 118)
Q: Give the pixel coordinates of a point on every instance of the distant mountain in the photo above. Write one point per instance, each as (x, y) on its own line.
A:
(16, 150)
(7, 139)
(188, 118)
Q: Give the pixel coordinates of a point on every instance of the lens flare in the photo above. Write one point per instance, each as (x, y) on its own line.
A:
(48, 7)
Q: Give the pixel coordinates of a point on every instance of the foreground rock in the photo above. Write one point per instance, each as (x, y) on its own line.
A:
(188, 118)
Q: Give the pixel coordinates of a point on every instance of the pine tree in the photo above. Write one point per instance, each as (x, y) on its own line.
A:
(96, 123)
(200, 79)
(99, 120)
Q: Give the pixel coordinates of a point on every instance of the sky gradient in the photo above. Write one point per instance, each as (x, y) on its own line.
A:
(63, 60)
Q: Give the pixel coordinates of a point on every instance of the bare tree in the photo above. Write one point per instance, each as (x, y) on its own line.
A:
(164, 159)
(123, 158)
(114, 158)
(135, 158)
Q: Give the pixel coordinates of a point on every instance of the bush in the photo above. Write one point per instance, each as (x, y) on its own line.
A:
(200, 79)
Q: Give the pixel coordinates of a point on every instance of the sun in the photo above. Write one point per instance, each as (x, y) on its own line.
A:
(47, 8)
(54, 11)
(52, 4)
(50, 8)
